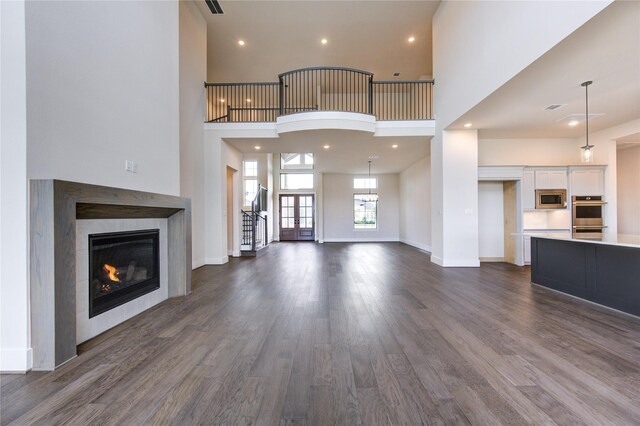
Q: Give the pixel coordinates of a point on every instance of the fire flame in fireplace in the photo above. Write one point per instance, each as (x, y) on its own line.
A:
(112, 272)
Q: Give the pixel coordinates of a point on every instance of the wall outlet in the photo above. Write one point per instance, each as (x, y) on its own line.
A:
(131, 166)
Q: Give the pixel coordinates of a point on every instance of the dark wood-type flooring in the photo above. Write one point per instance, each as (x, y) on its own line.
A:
(348, 334)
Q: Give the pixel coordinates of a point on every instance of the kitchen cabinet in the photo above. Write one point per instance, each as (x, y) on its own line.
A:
(587, 181)
(551, 179)
(528, 190)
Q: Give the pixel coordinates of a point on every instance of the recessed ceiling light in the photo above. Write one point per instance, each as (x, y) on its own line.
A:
(573, 123)
(249, 100)
(257, 147)
(222, 100)
(411, 39)
(323, 41)
(467, 125)
(327, 146)
(241, 42)
(394, 146)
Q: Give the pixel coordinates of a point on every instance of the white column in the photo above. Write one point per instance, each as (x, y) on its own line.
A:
(15, 351)
(454, 165)
(215, 179)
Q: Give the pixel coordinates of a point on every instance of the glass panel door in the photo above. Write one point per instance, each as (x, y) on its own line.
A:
(296, 217)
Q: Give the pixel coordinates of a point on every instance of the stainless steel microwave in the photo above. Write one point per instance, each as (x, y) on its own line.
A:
(551, 198)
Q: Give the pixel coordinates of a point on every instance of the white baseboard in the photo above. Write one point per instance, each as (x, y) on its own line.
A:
(236, 253)
(195, 264)
(455, 263)
(360, 240)
(420, 246)
(492, 259)
(216, 260)
(16, 360)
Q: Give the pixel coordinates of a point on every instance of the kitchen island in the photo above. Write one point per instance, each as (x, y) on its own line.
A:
(605, 272)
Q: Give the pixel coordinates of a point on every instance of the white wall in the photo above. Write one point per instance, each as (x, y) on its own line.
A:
(415, 204)
(629, 191)
(102, 88)
(15, 350)
(454, 198)
(490, 220)
(528, 152)
(193, 72)
(480, 45)
(337, 194)
(218, 155)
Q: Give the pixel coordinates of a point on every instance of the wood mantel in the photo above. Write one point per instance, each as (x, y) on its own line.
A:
(55, 206)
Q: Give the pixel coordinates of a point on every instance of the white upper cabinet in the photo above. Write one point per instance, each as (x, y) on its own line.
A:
(551, 179)
(528, 190)
(587, 182)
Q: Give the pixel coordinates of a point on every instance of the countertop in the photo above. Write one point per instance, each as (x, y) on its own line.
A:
(614, 240)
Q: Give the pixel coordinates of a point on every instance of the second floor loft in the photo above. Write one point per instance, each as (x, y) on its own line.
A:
(320, 89)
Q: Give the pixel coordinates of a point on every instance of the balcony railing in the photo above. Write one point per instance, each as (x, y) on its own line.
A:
(320, 89)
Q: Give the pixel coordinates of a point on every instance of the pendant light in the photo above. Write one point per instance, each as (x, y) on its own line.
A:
(370, 197)
(586, 151)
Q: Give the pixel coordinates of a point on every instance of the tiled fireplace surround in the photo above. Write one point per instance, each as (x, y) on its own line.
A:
(55, 208)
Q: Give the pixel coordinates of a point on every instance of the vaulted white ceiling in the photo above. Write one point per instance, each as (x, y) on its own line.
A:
(372, 35)
(282, 36)
(605, 50)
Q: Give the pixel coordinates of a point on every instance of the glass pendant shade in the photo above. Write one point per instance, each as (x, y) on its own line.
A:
(586, 154)
(369, 198)
(586, 151)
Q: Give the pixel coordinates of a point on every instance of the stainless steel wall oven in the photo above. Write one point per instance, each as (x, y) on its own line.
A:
(588, 218)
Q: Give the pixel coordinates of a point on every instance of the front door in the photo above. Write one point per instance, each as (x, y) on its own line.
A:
(296, 217)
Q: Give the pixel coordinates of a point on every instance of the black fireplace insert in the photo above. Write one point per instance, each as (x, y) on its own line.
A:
(122, 267)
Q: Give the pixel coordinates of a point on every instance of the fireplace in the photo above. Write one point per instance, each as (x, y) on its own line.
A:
(122, 266)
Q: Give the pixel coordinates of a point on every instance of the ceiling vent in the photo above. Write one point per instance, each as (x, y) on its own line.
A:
(553, 106)
(396, 74)
(214, 7)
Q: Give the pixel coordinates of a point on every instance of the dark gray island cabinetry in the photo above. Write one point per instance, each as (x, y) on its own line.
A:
(607, 273)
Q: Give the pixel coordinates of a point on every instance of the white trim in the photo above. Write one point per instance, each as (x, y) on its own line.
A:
(243, 130)
(216, 260)
(456, 263)
(492, 259)
(361, 240)
(406, 128)
(195, 264)
(500, 173)
(16, 360)
(423, 247)
(236, 253)
(317, 120)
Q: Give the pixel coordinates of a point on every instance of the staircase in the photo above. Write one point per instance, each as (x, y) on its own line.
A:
(255, 238)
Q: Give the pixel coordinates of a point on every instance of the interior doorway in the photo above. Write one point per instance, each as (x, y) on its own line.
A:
(230, 210)
(297, 217)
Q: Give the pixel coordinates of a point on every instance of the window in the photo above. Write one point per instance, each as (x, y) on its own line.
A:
(296, 161)
(250, 191)
(367, 183)
(296, 180)
(364, 212)
(250, 168)
(250, 181)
